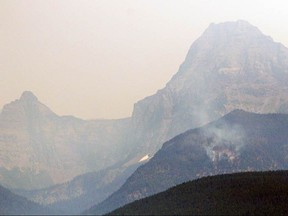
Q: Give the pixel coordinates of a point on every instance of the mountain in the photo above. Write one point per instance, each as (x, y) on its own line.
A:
(249, 193)
(233, 65)
(39, 148)
(82, 192)
(12, 204)
(238, 142)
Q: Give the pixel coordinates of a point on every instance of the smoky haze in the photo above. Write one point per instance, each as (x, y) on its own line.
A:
(95, 59)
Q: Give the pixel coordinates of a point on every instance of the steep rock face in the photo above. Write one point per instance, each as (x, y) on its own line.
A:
(231, 66)
(39, 148)
(239, 141)
(21, 123)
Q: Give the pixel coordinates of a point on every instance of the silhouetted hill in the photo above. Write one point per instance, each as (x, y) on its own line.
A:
(251, 193)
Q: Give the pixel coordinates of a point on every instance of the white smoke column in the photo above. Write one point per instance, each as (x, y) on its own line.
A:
(226, 140)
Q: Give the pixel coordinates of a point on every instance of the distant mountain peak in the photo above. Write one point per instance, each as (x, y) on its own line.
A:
(232, 65)
(233, 27)
(231, 49)
(232, 35)
(27, 105)
(235, 24)
(28, 96)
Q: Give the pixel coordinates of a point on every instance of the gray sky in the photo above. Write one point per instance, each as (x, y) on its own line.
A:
(95, 59)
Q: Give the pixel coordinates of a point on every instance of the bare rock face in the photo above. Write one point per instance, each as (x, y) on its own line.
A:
(231, 66)
(21, 124)
(39, 148)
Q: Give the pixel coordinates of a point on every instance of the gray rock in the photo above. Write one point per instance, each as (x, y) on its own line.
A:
(39, 148)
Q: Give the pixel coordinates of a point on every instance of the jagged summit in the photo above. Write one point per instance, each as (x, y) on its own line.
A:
(232, 48)
(239, 33)
(28, 96)
(26, 106)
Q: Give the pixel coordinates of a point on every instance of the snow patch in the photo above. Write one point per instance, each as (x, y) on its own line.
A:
(146, 157)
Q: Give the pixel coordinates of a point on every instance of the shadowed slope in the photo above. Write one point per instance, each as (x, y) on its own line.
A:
(239, 141)
(234, 194)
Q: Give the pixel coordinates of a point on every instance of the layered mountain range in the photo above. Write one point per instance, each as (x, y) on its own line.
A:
(231, 66)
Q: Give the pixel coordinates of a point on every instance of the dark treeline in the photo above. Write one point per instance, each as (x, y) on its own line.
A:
(250, 193)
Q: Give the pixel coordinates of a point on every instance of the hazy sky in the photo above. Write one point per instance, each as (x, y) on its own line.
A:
(95, 59)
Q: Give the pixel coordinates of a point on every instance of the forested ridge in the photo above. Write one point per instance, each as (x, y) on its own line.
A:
(248, 193)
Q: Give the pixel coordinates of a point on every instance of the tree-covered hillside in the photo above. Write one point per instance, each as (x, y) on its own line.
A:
(249, 193)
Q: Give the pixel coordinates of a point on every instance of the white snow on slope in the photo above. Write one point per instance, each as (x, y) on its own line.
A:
(146, 157)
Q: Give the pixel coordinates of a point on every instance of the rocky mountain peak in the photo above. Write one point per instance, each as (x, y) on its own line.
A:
(232, 48)
(27, 106)
(28, 96)
(233, 65)
(233, 28)
(232, 51)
